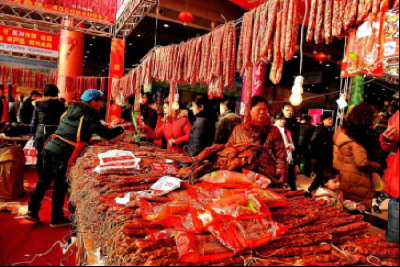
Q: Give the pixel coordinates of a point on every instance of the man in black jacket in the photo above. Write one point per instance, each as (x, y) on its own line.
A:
(322, 147)
(58, 152)
(46, 119)
(149, 115)
(306, 133)
(25, 112)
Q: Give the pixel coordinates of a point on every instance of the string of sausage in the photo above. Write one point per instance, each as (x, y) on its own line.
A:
(328, 21)
(272, 15)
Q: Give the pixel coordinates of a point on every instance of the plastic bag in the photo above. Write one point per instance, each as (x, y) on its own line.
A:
(238, 235)
(156, 212)
(270, 198)
(30, 153)
(117, 160)
(263, 181)
(239, 206)
(365, 48)
(200, 248)
(230, 179)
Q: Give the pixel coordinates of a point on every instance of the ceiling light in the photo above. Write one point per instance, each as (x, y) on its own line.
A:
(139, 35)
(328, 65)
(327, 88)
(166, 25)
(91, 44)
(88, 52)
(383, 89)
(313, 85)
(130, 44)
(368, 85)
(93, 37)
(337, 78)
(49, 18)
(103, 70)
(295, 56)
(85, 56)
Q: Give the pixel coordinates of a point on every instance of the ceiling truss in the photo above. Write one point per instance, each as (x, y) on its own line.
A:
(35, 18)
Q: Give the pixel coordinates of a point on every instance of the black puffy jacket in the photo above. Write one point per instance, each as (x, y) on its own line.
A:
(201, 134)
(306, 134)
(46, 118)
(69, 128)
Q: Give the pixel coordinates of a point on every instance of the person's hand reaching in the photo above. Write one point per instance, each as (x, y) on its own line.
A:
(391, 134)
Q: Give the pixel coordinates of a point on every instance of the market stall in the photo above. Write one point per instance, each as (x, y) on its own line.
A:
(220, 219)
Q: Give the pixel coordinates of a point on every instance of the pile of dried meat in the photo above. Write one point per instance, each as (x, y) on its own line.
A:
(227, 219)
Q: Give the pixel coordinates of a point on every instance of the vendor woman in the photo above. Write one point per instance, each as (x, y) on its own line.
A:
(78, 125)
(260, 131)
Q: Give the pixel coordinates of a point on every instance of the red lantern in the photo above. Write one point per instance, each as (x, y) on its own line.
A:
(340, 63)
(321, 57)
(186, 17)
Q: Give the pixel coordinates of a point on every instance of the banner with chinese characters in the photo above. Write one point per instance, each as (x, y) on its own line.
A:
(117, 65)
(28, 41)
(105, 10)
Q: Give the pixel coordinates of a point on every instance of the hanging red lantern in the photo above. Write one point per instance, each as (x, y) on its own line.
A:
(186, 17)
(340, 63)
(321, 57)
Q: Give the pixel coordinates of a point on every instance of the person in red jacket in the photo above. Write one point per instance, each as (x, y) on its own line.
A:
(176, 129)
(390, 142)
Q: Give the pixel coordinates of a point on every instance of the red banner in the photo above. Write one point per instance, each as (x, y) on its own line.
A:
(117, 65)
(28, 41)
(94, 9)
(248, 4)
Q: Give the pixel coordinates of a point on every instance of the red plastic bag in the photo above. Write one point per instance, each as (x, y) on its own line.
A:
(161, 234)
(238, 235)
(239, 206)
(228, 179)
(263, 181)
(270, 198)
(156, 212)
(179, 195)
(200, 248)
(365, 47)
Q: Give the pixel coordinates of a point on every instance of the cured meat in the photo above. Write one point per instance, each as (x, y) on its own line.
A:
(285, 26)
(208, 65)
(352, 13)
(367, 10)
(263, 27)
(272, 14)
(375, 9)
(196, 63)
(336, 28)
(295, 30)
(296, 251)
(360, 12)
(312, 20)
(328, 20)
(349, 228)
(277, 52)
(241, 47)
(256, 35)
(319, 21)
(248, 40)
(228, 58)
(182, 54)
(232, 79)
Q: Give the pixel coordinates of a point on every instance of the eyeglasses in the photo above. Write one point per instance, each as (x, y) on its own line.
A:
(258, 110)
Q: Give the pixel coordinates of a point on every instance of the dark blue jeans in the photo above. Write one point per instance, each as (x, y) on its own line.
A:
(392, 234)
(54, 169)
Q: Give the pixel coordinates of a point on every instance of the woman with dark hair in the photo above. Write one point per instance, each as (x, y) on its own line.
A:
(353, 153)
(202, 132)
(149, 115)
(227, 121)
(260, 131)
(45, 121)
(280, 123)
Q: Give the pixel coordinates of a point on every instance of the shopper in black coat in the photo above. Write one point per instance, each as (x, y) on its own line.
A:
(149, 115)
(306, 134)
(46, 119)
(227, 121)
(83, 119)
(202, 132)
(322, 147)
(25, 112)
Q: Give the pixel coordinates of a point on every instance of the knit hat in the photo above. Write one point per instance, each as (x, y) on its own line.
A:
(51, 90)
(92, 94)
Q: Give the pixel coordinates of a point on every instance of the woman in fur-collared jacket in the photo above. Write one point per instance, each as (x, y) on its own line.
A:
(46, 119)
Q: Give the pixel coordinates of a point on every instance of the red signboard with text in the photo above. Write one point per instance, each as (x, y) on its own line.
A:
(95, 9)
(28, 41)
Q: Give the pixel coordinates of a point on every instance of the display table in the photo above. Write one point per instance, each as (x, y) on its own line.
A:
(137, 231)
(5, 140)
